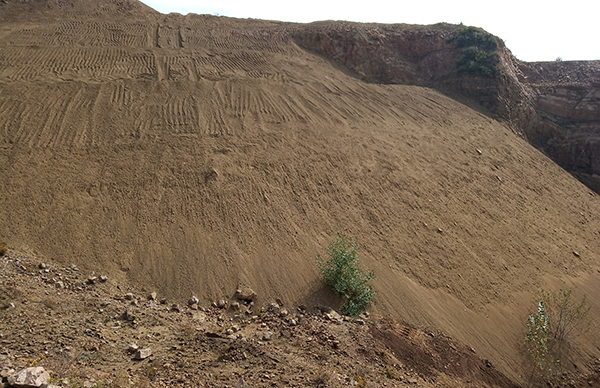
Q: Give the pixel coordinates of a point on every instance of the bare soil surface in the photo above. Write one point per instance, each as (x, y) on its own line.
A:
(189, 154)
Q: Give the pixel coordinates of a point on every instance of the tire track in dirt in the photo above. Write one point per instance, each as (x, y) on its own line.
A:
(168, 37)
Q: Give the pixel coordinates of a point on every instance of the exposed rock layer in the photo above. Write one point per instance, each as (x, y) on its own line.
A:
(556, 105)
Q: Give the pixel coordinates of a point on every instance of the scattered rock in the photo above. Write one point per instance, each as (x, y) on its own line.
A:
(193, 300)
(279, 301)
(143, 354)
(333, 315)
(245, 293)
(29, 377)
(5, 372)
(92, 279)
(267, 336)
(194, 306)
(152, 296)
(321, 308)
(235, 306)
(175, 308)
(103, 278)
(128, 314)
(576, 254)
(359, 321)
(273, 308)
(129, 296)
(42, 266)
(163, 301)
(133, 348)
(222, 303)
(283, 313)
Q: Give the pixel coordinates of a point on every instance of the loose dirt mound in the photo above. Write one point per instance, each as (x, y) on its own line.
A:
(193, 153)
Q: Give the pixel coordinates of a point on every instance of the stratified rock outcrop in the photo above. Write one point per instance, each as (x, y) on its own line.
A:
(555, 105)
(567, 95)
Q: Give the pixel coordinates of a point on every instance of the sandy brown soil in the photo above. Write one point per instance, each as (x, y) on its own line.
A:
(189, 154)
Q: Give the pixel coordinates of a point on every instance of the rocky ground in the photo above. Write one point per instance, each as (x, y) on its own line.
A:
(88, 331)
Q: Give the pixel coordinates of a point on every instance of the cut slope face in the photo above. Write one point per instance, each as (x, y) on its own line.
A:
(191, 154)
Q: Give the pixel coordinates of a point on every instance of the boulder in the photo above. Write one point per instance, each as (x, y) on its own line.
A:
(29, 377)
(245, 293)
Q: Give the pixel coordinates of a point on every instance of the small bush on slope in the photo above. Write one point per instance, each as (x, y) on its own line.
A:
(342, 274)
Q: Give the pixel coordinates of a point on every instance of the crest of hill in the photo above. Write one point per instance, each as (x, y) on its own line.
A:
(194, 153)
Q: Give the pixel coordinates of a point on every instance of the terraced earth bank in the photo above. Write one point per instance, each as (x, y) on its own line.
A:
(189, 154)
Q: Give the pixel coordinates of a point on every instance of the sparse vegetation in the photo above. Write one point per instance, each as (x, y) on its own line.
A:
(567, 318)
(558, 319)
(341, 271)
(479, 56)
(322, 379)
(537, 336)
(475, 37)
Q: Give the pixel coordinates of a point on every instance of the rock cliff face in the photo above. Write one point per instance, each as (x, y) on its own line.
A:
(555, 105)
(567, 96)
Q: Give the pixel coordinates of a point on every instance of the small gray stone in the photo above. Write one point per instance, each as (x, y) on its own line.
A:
(103, 279)
(128, 315)
(235, 306)
(333, 315)
(133, 348)
(143, 354)
(129, 296)
(267, 336)
(221, 303)
(193, 300)
(175, 308)
(152, 296)
(273, 308)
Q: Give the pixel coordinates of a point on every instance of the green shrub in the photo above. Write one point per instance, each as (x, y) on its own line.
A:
(478, 62)
(342, 274)
(479, 56)
(475, 37)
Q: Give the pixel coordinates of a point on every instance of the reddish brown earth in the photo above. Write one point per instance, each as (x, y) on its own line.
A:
(188, 154)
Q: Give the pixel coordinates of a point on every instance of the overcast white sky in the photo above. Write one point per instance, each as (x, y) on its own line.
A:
(533, 30)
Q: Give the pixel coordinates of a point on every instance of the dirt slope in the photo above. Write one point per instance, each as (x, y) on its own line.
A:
(188, 154)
